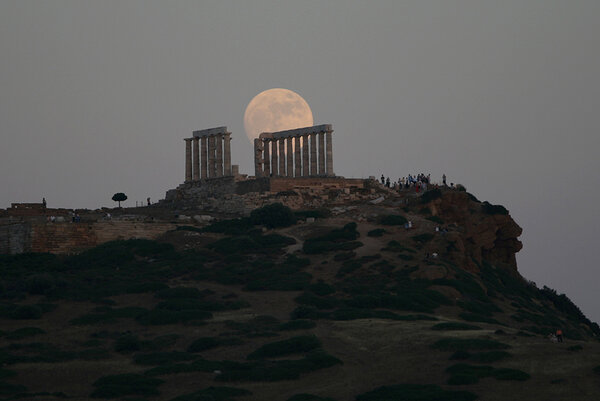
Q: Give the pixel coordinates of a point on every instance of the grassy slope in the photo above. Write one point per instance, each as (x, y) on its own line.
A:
(374, 352)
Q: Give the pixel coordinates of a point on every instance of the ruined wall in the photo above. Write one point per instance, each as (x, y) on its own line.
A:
(72, 238)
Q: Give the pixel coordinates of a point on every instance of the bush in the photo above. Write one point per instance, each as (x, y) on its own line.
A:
(489, 357)
(125, 384)
(162, 358)
(128, 343)
(272, 216)
(393, 220)
(422, 238)
(294, 345)
(321, 288)
(378, 232)
(179, 292)
(463, 373)
(317, 213)
(214, 394)
(431, 195)
(7, 388)
(298, 324)
(415, 392)
(24, 332)
(488, 208)
(308, 397)
(455, 344)
(239, 226)
(26, 312)
(454, 326)
(206, 343)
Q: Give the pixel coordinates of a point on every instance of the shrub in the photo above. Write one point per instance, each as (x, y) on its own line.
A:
(431, 195)
(128, 343)
(26, 312)
(308, 397)
(125, 384)
(164, 316)
(340, 257)
(463, 373)
(239, 226)
(308, 298)
(489, 357)
(7, 388)
(454, 326)
(5, 373)
(316, 213)
(294, 345)
(321, 288)
(393, 220)
(162, 358)
(206, 343)
(179, 292)
(488, 208)
(214, 394)
(378, 232)
(510, 374)
(24, 332)
(296, 325)
(274, 215)
(455, 344)
(422, 238)
(415, 392)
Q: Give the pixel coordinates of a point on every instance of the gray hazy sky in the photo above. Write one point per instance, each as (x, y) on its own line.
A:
(502, 96)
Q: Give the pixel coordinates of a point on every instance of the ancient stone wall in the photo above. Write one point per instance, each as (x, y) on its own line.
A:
(73, 237)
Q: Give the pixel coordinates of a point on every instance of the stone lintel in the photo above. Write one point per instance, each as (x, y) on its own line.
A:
(211, 132)
(315, 129)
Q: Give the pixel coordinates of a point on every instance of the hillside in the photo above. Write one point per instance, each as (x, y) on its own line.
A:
(351, 306)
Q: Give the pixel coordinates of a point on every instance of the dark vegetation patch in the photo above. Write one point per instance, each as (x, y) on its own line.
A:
(206, 343)
(393, 220)
(422, 238)
(315, 213)
(488, 208)
(11, 389)
(308, 397)
(435, 219)
(162, 358)
(259, 370)
(415, 392)
(290, 346)
(341, 239)
(273, 216)
(431, 195)
(24, 332)
(115, 386)
(465, 344)
(298, 324)
(454, 326)
(254, 243)
(214, 394)
(463, 373)
(574, 348)
(378, 232)
(480, 357)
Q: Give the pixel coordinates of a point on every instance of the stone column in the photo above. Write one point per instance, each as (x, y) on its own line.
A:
(188, 159)
(196, 168)
(267, 163)
(203, 161)
(297, 160)
(227, 154)
(313, 154)
(274, 158)
(305, 160)
(281, 156)
(321, 153)
(289, 155)
(258, 169)
(219, 162)
(211, 156)
(329, 162)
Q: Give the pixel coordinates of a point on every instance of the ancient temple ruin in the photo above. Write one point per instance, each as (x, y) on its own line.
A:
(210, 156)
(281, 154)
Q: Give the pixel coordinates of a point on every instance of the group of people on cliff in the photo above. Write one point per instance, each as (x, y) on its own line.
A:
(418, 182)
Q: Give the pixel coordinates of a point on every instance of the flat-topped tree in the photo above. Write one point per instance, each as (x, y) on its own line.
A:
(119, 197)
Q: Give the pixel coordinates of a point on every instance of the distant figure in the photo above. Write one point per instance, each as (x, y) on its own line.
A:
(148, 201)
(409, 224)
(444, 179)
(434, 255)
(382, 180)
(108, 216)
(44, 202)
(387, 182)
(559, 335)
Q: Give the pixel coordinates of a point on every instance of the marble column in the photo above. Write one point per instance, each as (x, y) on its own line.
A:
(203, 161)
(267, 153)
(211, 156)
(321, 153)
(289, 155)
(274, 158)
(188, 159)
(196, 168)
(281, 156)
(227, 154)
(258, 168)
(329, 161)
(305, 159)
(219, 160)
(297, 160)
(313, 154)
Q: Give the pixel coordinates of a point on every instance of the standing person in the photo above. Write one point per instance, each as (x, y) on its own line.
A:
(44, 202)
(387, 182)
(382, 180)
(444, 179)
(559, 335)
(148, 201)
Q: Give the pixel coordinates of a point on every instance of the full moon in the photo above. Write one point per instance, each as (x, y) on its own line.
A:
(274, 110)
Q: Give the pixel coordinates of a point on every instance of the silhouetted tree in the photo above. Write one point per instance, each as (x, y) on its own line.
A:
(119, 197)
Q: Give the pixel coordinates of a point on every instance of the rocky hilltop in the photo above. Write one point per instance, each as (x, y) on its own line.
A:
(363, 294)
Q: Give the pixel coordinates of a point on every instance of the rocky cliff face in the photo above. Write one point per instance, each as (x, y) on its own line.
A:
(484, 233)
